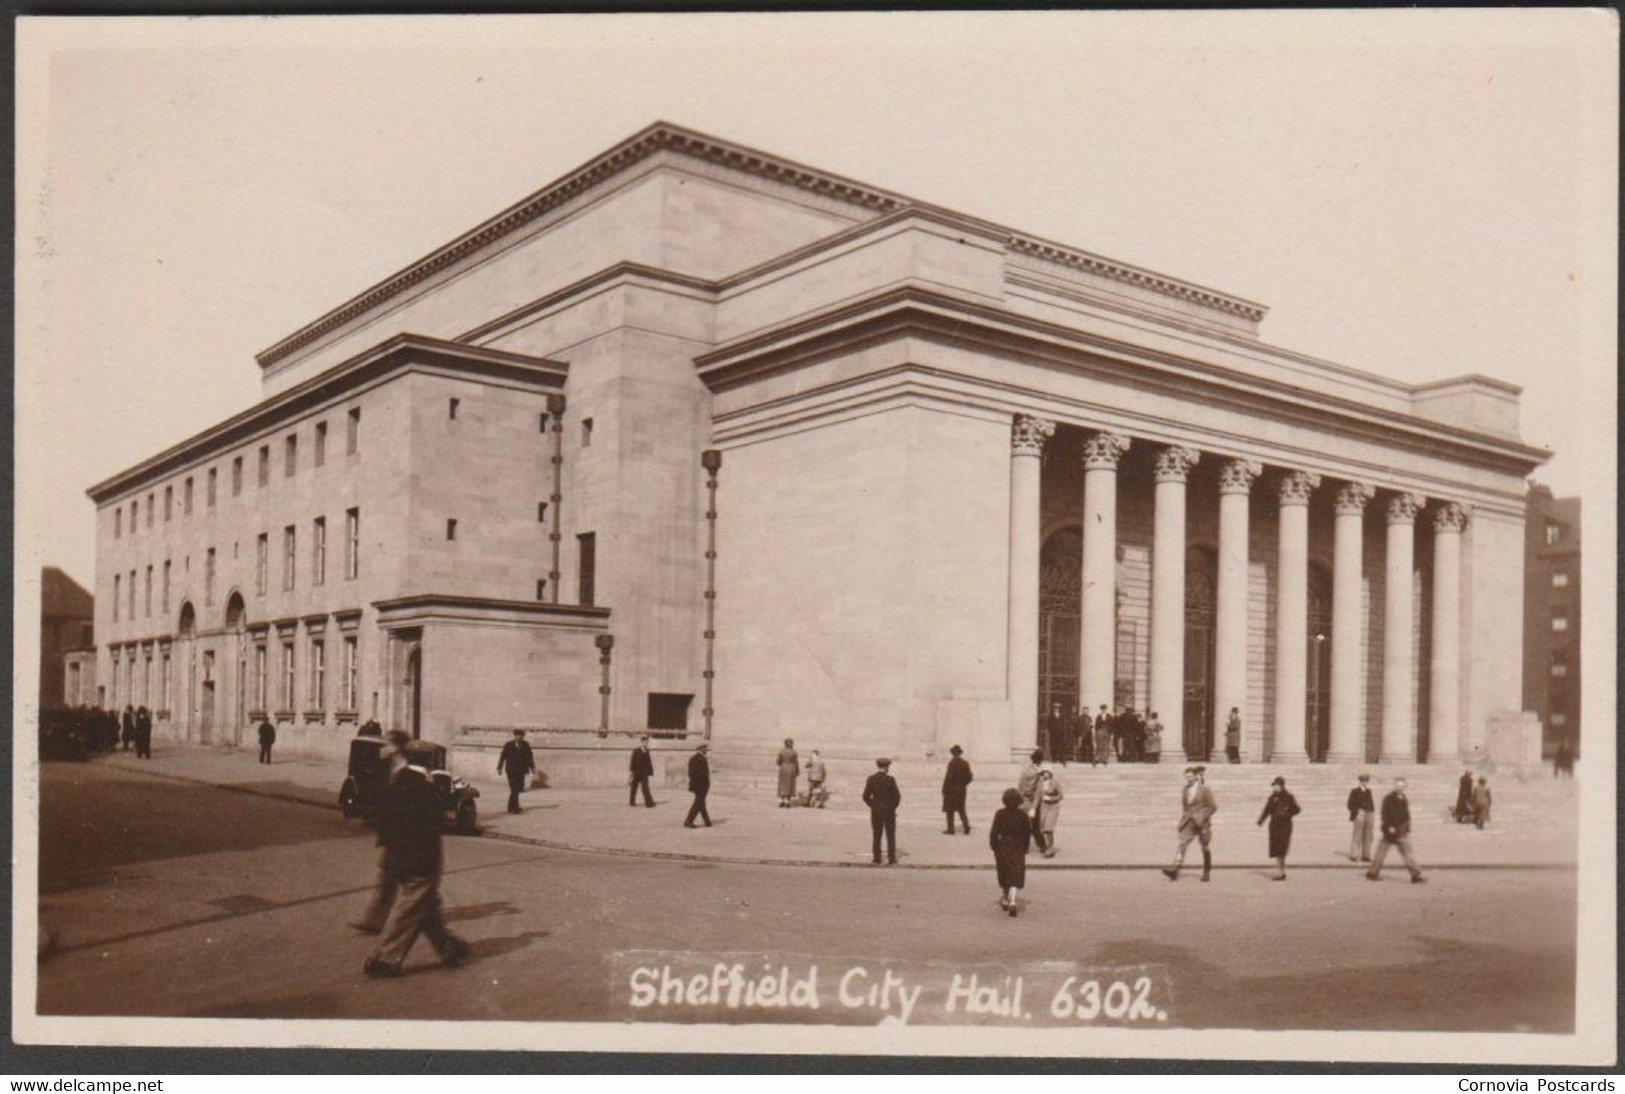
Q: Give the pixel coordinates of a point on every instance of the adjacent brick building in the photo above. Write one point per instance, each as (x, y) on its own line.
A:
(1551, 617)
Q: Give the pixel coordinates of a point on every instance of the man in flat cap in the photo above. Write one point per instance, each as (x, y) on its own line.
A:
(1195, 822)
(518, 760)
(699, 784)
(882, 797)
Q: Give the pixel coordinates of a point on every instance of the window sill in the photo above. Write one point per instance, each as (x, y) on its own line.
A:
(315, 716)
(284, 716)
(347, 716)
(258, 715)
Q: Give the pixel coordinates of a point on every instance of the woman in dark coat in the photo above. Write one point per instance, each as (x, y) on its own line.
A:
(1010, 838)
(1279, 811)
(1463, 812)
(954, 782)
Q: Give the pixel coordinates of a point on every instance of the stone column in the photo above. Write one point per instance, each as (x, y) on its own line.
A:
(1292, 617)
(1348, 689)
(1444, 717)
(1397, 693)
(1230, 606)
(1027, 439)
(1168, 596)
(1098, 628)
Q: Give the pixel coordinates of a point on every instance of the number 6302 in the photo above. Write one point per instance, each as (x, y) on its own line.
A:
(1086, 1000)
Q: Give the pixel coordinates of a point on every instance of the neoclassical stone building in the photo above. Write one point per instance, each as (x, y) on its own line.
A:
(703, 439)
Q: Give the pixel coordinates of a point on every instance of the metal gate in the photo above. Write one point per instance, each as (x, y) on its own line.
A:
(1200, 614)
(1060, 594)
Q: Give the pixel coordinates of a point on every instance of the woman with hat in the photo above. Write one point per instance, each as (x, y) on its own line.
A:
(1279, 811)
(1049, 808)
(954, 782)
(1010, 838)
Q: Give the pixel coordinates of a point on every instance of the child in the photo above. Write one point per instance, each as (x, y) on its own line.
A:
(1010, 838)
(1049, 809)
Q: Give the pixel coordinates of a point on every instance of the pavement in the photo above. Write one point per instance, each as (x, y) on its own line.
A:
(752, 829)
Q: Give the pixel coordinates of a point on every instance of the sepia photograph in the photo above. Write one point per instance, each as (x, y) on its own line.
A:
(1046, 534)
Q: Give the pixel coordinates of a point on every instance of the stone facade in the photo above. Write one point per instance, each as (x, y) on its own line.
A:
(920, 421)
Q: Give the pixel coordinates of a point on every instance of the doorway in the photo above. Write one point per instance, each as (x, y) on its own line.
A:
(1317, 719)
(1060, 585)
(414, 692)
(1201, 616)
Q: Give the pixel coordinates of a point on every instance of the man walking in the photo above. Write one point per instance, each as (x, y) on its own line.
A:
(883, 797)
(817, 795)
(1027, 787)
(1195, 822)
(409, 824)
(642, 768)
(1362, 808)
(1396, 832)
(267, 739)
(954, 783)
(699, 784)
(518, 761)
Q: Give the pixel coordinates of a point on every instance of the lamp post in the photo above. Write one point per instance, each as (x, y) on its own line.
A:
(605, 643)
(711, 460)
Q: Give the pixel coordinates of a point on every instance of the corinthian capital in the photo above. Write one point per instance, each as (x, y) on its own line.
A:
(1351, 498)
(1236, 476)
(1402, 508)
(1028, 434)
(1103, 450)
(1174, 463)
(1297, 486)
(1450, 517)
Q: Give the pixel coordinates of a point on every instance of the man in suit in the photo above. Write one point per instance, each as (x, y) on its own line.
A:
(1396, 832)
(518, 761)
(1195, 822)
(409, 824)
(143, 733)
(699, 784)
(267, 739)
(642, 769)
(883, 797)
(1232, 736)
(128, 727)
(1055, 733)
(1027, 787)
(955, 781)
(1083, 728)
(1361, 810)
(1103, 735)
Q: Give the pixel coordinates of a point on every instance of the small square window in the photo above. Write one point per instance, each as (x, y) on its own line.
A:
(451, 529)
(1560, 623)
(1560, 579)
(1560, 667)
(1559, 718)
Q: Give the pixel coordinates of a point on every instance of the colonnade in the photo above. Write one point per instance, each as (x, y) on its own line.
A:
(1102, 452)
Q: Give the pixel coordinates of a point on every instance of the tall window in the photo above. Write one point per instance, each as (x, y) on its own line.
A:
(132, 596)
(1554, 534)
(290, 455)
(265, 465)
(208, 577)
(289, 557)
(259, 676)
(587, 544)
(166, 586)
(166, 680)
(352, 543)
(152, 505)
(350, 683)
(169, 503)
(586, 433)
(135, 509)
(321, 443)
(262, 563)
(118, 522)
(146, 596)
(187, 508)
(318, 551)
(451, 528)
(318, 675)
(118, 583)
(287, 674)
(236, 476)
(214, 475)
(352, 435)
(451, 408)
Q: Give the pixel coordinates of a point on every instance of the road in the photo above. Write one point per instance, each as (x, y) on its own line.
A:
(172, 899)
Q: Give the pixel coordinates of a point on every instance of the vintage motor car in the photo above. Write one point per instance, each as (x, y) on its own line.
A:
(368, 774)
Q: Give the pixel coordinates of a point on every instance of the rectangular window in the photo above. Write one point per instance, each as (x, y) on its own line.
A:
(1560, 579)
(214, 476)
(152, 505)
(541, 511)
(667, 711)
(320, 455)
(318, 551)
(118, 583)
(318, 675)
(288, 668)
(541, 423)
(541, 588)
(451, 529)
(187, 508)
(132, 595)
(1559, 718)
(169, 503)
(1560, 623)
(352, 543)
(290, 455)
(118, 523)
(146, 596)
(586, 433)
(1560, 666)
(237, 477)
(352, 435)
(166, 586)
(265, 465)
(1554, 534)
(451, 408)
(259, 677)
(135, 510)
(165, 679)
(350, 665)
(262, 563)
(289, 556)
(587, 570)
(208, 577)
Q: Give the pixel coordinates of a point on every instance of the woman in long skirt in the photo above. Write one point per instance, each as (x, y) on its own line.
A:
(1279, 811)
(789, 765)
(1049, 809)
(1010, 838)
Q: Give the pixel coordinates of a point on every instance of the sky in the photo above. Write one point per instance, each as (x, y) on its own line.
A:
(1416, 194)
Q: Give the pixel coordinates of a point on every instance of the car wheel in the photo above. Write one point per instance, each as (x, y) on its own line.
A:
(467, 819)
(347, 801)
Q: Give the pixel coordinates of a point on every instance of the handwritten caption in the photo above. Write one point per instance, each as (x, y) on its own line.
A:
(676, 986)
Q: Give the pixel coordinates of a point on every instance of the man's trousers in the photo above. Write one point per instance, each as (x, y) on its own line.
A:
(1360, 837)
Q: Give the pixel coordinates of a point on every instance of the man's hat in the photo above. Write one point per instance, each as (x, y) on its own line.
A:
(1199, 770)
(1190, 771)
(956, 750)
(518, 733)
(1278, 781)
(883, 762)
(702, 746)
(1364, 777)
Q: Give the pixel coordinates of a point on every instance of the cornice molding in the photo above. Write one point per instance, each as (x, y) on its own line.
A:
(443, 604)
(402, 353)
